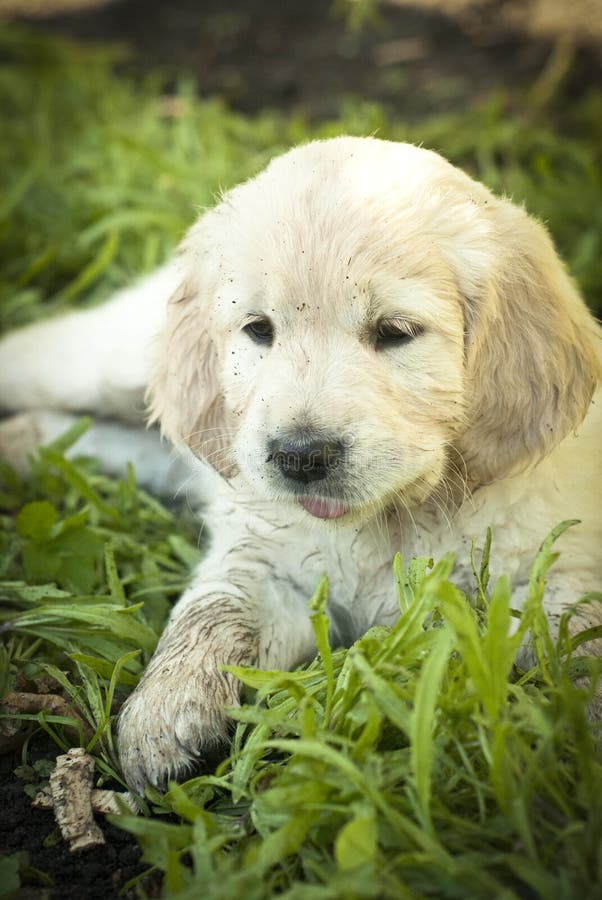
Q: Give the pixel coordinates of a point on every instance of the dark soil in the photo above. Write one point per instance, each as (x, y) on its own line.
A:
(92, 875)
(299, 54)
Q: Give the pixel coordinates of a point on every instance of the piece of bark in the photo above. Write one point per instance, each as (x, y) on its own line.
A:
(25, 702)
(71, 790)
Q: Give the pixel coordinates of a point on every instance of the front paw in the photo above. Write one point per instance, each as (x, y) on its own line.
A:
(173, 719)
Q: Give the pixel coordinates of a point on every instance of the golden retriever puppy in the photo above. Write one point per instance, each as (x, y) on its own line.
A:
(377, 355)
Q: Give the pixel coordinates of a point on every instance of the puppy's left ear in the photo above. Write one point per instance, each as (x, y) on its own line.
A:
(531, 360)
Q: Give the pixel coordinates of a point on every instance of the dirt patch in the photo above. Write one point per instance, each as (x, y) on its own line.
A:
(97, 874)
(295, 55)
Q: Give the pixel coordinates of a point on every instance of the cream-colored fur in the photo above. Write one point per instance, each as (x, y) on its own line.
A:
(483, 414)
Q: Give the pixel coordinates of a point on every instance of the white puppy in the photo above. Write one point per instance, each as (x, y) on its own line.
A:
(377, 354)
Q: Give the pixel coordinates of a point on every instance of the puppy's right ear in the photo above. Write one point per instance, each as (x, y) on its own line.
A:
(184, 394)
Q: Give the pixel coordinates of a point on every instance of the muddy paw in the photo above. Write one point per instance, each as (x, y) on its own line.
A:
(171, 722)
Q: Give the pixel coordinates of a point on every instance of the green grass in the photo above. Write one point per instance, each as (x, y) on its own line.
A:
(88, 568)
(419, 763)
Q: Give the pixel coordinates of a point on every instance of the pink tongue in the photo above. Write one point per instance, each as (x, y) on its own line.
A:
(323, 509)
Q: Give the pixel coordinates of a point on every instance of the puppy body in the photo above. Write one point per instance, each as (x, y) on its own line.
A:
(376, 354)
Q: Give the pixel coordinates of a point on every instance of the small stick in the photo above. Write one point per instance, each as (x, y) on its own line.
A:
(71, 790)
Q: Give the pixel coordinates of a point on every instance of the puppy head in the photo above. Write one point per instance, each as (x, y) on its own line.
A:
(359, 314)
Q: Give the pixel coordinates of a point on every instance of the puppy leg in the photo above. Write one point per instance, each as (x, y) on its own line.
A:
(239, 610)
(158, 468)
(94, 360)
(177, 711)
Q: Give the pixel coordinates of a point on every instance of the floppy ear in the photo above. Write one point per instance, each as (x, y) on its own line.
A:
(531, 361)
(184, 394)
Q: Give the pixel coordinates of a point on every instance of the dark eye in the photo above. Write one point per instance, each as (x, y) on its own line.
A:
(260, 330)
(394, 332)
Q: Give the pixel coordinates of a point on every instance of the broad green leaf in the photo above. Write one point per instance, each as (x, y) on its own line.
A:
(356, 843)
(36, 520)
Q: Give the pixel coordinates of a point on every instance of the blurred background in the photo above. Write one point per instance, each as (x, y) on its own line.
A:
(414, 56)
(121, 118)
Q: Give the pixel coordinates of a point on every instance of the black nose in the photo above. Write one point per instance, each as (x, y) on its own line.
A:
(304, 461)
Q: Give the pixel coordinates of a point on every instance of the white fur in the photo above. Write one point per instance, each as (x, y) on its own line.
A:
(484, 418)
